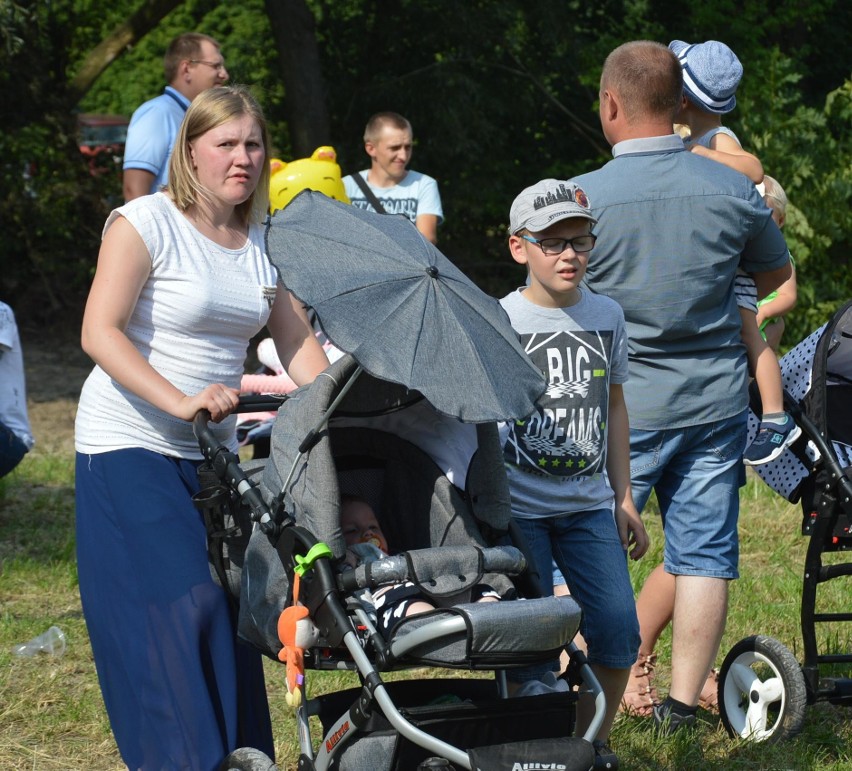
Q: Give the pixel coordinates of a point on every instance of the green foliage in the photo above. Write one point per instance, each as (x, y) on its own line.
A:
(492, 111)
(52, 208)
(48, 200)
(807, 150)
(500, 94)
(490, 118)
(247, 46)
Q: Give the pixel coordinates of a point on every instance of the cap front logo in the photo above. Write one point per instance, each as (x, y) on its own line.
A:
(561, 194)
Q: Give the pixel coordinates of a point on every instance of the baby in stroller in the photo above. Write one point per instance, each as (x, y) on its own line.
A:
(449, 535)
(365, 542)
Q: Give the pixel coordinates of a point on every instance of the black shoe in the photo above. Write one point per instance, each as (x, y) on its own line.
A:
(604, 756)
(666, 722)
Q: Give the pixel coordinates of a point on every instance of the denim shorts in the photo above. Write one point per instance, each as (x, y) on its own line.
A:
(696, 472)
(586, 548)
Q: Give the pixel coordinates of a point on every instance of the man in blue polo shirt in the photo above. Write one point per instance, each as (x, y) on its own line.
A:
(192, 64)
(673, 228)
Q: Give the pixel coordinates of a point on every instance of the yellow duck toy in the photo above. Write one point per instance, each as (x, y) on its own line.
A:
(320, 172)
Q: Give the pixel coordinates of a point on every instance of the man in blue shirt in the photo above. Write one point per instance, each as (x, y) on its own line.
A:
(673, 228)
(192, 64)
(16, 438)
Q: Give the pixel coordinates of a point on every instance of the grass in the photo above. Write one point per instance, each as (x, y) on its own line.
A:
(52, 717)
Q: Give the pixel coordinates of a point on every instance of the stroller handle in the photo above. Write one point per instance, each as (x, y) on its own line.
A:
(227, 467)
(432, 564)
(260, 402)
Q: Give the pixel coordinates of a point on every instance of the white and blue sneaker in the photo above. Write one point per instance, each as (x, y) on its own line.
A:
(771, 440)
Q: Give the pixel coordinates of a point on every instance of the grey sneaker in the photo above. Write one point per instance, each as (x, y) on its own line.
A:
(667, 722)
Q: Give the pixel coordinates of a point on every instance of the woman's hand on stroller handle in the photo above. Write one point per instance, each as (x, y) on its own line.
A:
(217, 399)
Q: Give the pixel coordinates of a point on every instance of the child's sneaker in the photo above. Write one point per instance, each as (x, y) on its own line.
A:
(771, 440)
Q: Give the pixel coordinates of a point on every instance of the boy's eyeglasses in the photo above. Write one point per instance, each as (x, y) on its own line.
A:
(554, 246)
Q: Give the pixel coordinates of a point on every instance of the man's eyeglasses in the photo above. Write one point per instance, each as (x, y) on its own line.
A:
(554, 246)
(220, 66)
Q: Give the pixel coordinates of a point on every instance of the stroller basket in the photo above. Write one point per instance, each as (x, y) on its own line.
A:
(464, 713)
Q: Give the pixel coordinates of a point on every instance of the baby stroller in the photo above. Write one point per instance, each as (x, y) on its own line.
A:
(439, 490)
(762, 689)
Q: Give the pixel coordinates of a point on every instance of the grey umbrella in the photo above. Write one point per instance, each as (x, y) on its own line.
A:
(386, 295)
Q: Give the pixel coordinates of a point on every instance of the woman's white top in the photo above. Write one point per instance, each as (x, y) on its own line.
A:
(195, 315)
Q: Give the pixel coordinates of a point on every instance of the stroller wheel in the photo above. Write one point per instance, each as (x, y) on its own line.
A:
(248, 759)
(762, 693)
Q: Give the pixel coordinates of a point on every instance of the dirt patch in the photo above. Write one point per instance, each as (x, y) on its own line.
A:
(56, 368)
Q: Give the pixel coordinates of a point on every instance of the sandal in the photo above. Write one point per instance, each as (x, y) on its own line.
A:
(709, 697)
(640, 694)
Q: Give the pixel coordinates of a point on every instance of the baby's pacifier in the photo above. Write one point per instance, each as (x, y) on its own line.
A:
(376, 541)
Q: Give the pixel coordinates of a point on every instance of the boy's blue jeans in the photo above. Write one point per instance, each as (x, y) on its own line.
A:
(586, 548)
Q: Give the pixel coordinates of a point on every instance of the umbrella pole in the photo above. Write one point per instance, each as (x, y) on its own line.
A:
(310, 439)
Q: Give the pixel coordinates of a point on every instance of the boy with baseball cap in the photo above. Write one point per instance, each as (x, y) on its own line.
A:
(568, 462)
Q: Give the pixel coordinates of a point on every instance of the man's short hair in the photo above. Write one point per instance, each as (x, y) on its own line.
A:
(185, 46)
(381, 119)
(648, 78)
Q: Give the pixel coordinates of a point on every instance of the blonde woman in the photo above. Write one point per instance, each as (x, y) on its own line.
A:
(181, 286)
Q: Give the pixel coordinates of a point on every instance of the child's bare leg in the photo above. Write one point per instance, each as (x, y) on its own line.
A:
(763, 364)
(777, 429)
(774, 332)
(612, 682)
(418, 607)
(654, 607)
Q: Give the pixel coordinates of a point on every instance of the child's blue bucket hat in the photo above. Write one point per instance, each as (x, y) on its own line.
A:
(711, 74)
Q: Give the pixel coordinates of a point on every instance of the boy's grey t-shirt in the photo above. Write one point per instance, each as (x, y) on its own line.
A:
(556, 458)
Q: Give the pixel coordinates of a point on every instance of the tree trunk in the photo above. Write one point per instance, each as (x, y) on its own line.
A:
(110, 48)
(293, 27)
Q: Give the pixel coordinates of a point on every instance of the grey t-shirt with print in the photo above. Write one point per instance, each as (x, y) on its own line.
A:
(556, 457)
